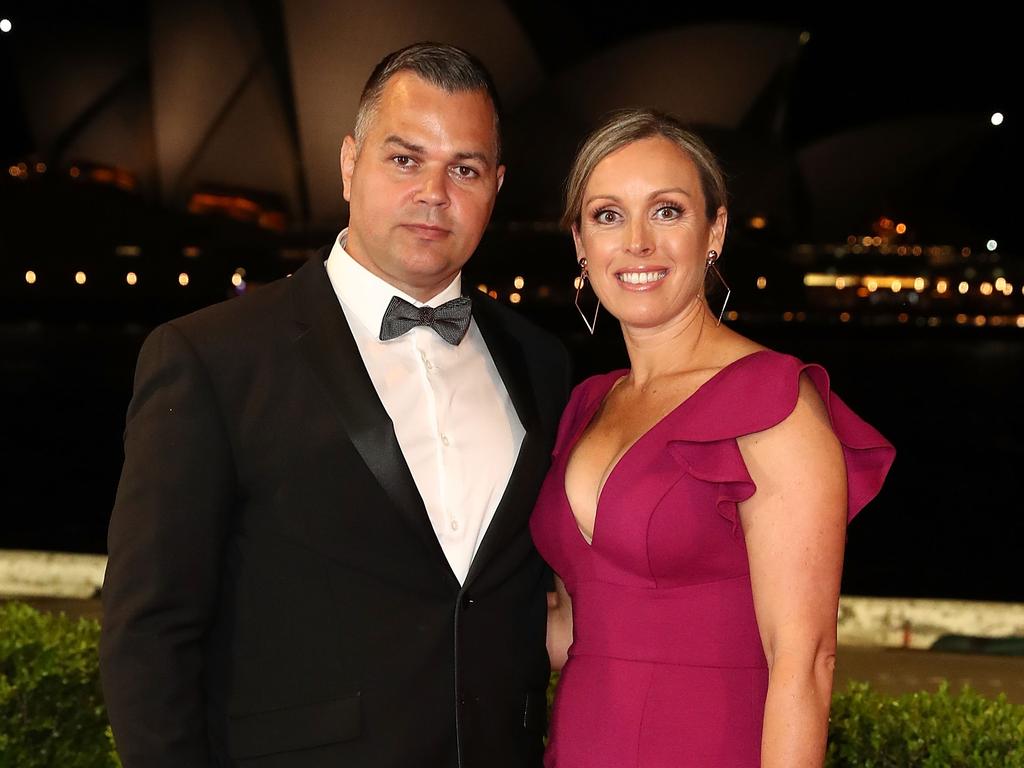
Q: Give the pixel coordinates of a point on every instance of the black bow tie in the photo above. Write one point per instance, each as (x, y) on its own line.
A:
(450, 320)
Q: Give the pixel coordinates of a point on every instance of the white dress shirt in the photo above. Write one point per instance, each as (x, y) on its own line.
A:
(452, 415)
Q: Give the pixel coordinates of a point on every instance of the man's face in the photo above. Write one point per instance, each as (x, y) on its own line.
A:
(422, 185)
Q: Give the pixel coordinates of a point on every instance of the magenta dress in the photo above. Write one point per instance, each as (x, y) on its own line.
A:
(666, 666)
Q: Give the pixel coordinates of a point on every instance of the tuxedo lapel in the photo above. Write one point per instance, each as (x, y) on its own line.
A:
(326, 343)
(516, 503)
(510, 360)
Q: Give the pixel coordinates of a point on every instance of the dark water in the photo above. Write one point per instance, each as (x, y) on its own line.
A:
(949, 522)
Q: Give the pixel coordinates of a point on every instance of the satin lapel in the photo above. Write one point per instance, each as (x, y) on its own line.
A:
(517, 502)
(327, 344)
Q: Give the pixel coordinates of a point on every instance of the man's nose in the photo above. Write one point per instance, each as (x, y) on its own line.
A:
(433, 188)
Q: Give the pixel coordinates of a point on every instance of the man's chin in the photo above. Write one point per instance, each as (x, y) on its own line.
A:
(428, 271)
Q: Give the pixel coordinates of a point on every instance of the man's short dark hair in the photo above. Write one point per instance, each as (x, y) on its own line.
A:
(443, 66)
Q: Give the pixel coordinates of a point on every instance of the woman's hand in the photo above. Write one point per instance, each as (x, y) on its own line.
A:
(559, 625)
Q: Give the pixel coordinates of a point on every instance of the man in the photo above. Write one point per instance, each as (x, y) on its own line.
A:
(319, 553)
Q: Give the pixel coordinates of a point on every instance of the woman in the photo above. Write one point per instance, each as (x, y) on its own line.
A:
(696, 508)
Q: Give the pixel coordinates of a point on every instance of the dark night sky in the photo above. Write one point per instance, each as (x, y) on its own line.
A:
(858, 66)
(862, 66)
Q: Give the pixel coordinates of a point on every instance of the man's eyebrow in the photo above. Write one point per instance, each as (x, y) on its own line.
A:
(416, 149)
(408, 146)
(478, 156)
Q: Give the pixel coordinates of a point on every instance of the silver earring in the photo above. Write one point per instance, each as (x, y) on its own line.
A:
(709, 265)
(580, 282)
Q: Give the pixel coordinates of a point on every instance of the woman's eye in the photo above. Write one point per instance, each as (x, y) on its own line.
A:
(605, 217)
(668, 212)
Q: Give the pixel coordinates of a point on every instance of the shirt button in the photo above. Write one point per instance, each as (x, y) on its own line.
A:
(429, 365)
(455, 525)
(444, 440)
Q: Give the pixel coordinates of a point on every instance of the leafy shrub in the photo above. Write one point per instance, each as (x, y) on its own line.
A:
(51, 707)
(924, 730)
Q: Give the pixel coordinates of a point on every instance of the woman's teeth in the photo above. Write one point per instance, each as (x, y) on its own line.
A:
(641, 278)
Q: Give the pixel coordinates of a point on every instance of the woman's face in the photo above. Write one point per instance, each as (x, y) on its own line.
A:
(645, 235)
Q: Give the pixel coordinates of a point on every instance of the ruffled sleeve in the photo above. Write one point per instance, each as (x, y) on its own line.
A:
(752, 395)
(868, 455)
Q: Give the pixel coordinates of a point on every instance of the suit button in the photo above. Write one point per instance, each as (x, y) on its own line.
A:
(467, 601)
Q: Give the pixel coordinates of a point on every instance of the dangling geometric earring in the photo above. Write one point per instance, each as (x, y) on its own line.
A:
(712, 258)
(580, 282)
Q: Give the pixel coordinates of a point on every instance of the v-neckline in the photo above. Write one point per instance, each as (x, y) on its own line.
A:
(617, 377)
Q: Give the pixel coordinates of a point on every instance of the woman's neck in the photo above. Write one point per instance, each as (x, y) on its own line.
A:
(675, 347)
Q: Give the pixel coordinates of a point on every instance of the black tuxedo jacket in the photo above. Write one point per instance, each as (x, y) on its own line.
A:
(275, 594)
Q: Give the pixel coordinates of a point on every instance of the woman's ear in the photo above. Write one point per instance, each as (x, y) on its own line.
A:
(716, 238)
(578, 243)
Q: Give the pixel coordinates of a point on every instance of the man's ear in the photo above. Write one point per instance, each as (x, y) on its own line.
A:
(501, 178)
(348, 166)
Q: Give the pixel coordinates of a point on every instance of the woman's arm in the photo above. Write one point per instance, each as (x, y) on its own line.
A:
(559, 625)
(795, 531)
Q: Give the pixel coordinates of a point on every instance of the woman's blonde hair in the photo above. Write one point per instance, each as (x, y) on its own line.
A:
(625, 126)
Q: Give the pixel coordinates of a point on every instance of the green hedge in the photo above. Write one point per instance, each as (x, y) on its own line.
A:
(51, 707)
(52, 713)
(924, 730)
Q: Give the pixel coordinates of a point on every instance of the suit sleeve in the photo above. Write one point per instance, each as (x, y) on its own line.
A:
(561, 386)
(165, 547)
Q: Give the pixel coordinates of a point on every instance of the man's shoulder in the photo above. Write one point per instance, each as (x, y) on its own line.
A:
(236, 319)
(252, 318)
(545, 357)
(532, 336)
